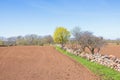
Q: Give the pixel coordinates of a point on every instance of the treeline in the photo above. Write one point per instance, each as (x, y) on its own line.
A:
(116, 41)
(31, 39)
(81, 39)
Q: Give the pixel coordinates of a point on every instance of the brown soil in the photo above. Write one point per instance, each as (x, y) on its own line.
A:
(40, 63)
(111, 49)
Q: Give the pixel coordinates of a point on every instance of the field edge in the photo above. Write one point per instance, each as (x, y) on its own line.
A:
(101, 71)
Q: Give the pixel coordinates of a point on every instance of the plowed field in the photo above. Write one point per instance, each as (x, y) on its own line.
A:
(111, 49)
(39, 63)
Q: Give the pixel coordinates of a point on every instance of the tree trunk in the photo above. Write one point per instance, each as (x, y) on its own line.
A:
(83, 49)
(62, 45)
(92, 50)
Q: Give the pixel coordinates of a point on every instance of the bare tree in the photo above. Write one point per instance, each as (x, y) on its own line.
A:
(48, 39)
(85, 36)
(76, 34)
(88, 40)
(31, 39)
(11, 41)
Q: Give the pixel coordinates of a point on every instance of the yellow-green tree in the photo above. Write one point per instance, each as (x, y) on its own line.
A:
(61, 35)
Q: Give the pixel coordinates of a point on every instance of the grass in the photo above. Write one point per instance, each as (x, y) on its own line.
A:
(103, 72)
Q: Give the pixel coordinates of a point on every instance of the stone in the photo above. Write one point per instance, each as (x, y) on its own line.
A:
(106, 60)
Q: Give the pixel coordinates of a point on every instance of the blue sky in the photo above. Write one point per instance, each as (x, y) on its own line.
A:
(21, 17)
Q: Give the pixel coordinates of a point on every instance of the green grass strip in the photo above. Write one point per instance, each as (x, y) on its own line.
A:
(104, 72)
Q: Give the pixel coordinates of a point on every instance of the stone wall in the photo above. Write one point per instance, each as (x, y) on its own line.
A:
(106, 60)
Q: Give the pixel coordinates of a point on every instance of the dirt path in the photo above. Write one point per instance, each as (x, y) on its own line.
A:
(39, 63)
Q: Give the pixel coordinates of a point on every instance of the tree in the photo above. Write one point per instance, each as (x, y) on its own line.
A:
(48, 39)
(85, 36)
(31, 39)
(91, 42)
(11, 41)
(76, 33)
(61, 35)
(20, 40)
(1, 43)
(86, 39)
(117, 41)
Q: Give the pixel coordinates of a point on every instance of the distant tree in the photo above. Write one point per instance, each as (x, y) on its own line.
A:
(31, 39)
(1, 42)
(48, 39)
(20, 40)
(11, 41)
(117, 41)
(61, 35)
